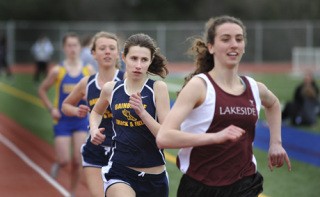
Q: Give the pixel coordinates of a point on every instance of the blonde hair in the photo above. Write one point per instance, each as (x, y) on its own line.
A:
(104, 34)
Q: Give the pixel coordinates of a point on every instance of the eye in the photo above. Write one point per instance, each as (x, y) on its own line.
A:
(112, 48)
(239, 39)
(134, 58)
(225, 39)
(145, 59)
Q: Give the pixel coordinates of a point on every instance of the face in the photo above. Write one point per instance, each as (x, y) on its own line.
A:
(229, 45)
(106, 52)
(72, 47)
(308, 78)
(137, 62)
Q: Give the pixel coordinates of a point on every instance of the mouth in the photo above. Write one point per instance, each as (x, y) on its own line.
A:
(107, 59)
(233, 54)
(136, 72)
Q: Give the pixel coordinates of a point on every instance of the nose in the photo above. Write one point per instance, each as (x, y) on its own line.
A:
(234, 43)
(138, 65)
(107, 51)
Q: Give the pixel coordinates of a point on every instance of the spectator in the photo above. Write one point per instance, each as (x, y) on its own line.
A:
(42, 51)
(3, 56)
(304, 108)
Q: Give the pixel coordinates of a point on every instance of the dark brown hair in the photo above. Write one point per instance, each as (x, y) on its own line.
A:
(70, 35)
(203, 60)
(159, 62)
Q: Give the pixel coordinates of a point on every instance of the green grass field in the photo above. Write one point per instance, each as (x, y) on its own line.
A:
(18, 98)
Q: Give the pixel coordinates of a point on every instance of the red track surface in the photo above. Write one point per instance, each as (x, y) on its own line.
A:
(18, 179)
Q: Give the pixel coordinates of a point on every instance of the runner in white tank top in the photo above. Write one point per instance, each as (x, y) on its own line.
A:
(214, 117)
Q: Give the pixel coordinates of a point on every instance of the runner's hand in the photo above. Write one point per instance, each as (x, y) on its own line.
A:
(82, 111)
(136, 103)
(97, 136)
(230, 133)
(277, 156)
(55, 114)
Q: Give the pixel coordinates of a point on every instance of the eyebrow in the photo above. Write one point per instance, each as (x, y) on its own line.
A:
(237, 35)
(107, 45)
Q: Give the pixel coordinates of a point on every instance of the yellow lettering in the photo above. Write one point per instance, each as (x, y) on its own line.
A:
(67, 88)
(122, 106)
(107, 114)
(138, 123)
(122, 123)
(93, 101)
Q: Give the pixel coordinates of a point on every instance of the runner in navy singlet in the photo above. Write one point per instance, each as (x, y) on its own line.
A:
(105, 50)
(139, 105)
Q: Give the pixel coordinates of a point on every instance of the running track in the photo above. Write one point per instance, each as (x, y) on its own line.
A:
(25, 159)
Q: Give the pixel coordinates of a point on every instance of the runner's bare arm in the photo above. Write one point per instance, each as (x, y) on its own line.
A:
(69, 105)
(277, 154)
(162, 103)
(45, 86)
(191, 96)
(97, 112)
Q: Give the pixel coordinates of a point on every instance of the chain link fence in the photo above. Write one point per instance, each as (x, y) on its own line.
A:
(267, 41)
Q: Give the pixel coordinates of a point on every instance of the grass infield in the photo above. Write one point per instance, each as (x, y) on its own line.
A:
(19, 101)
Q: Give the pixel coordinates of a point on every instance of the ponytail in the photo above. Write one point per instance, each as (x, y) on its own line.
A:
(203, 60)
(159, 65)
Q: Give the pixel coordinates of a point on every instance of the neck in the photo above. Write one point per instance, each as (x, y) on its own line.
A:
(106, 74)
(72, 62)
(225, 76)
(134, 86)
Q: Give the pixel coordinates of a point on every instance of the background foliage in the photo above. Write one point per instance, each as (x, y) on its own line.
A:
(157, 10)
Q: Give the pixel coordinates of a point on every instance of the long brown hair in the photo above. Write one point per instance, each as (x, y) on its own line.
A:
(159, 62)
(203, 60)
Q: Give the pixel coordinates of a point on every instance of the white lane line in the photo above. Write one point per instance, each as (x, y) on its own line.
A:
(33, 165)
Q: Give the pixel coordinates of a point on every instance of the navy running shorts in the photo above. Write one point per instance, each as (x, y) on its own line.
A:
(145, 185)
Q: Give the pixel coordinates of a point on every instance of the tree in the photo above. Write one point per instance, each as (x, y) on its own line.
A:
(157, 10)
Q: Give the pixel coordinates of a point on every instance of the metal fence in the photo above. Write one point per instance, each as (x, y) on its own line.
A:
(267, 41)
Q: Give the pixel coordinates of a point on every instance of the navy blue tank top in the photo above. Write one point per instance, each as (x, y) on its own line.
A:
(135, 145)
(93, 94)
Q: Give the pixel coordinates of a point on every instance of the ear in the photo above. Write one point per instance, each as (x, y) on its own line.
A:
(93, 53)
(210, 48)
